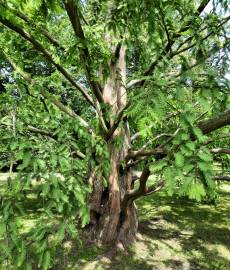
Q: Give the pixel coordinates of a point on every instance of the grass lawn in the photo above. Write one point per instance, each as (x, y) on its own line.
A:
(176, 234)
(173, 234)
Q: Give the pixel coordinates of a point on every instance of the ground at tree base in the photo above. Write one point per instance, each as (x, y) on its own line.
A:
(174, 234)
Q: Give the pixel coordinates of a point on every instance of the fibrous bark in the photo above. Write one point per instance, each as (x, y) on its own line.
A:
(113, 222)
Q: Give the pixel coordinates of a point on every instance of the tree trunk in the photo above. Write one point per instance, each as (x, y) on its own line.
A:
(110, 221)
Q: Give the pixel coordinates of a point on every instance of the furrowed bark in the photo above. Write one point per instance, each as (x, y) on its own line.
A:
(114, 92)
(111, 219)
(111, 223)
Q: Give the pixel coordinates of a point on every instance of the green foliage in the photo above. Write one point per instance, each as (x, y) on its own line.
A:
(181, 55)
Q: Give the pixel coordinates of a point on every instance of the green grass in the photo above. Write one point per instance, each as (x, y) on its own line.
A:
(174, 234)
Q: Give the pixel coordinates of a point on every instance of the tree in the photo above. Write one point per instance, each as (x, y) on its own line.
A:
(101, 90)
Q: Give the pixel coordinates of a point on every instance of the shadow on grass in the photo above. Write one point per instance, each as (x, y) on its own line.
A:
(198, 234)
(174, 234)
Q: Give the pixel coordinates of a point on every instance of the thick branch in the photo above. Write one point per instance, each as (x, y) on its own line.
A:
(48, 56)
(74, 16)
(154, 188)
(206, 126)
(159, 151)
(134, 194)
(144, 153)
(143, 190)
(219, 121)
(220, 151)
(202, 6)
(222, 178)
(117, 122)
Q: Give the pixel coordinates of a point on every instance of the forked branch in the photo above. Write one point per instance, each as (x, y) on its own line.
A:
(120, 115)
(134, 194)
(206, 126)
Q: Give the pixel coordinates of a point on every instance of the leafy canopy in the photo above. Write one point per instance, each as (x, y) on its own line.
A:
(176, 64)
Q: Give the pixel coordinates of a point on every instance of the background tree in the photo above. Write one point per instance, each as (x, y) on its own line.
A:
(102, 90)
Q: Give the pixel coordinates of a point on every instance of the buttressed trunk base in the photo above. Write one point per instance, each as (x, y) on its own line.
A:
(110, 221)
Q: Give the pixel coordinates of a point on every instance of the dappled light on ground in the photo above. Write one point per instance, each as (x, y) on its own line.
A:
(176, 234)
